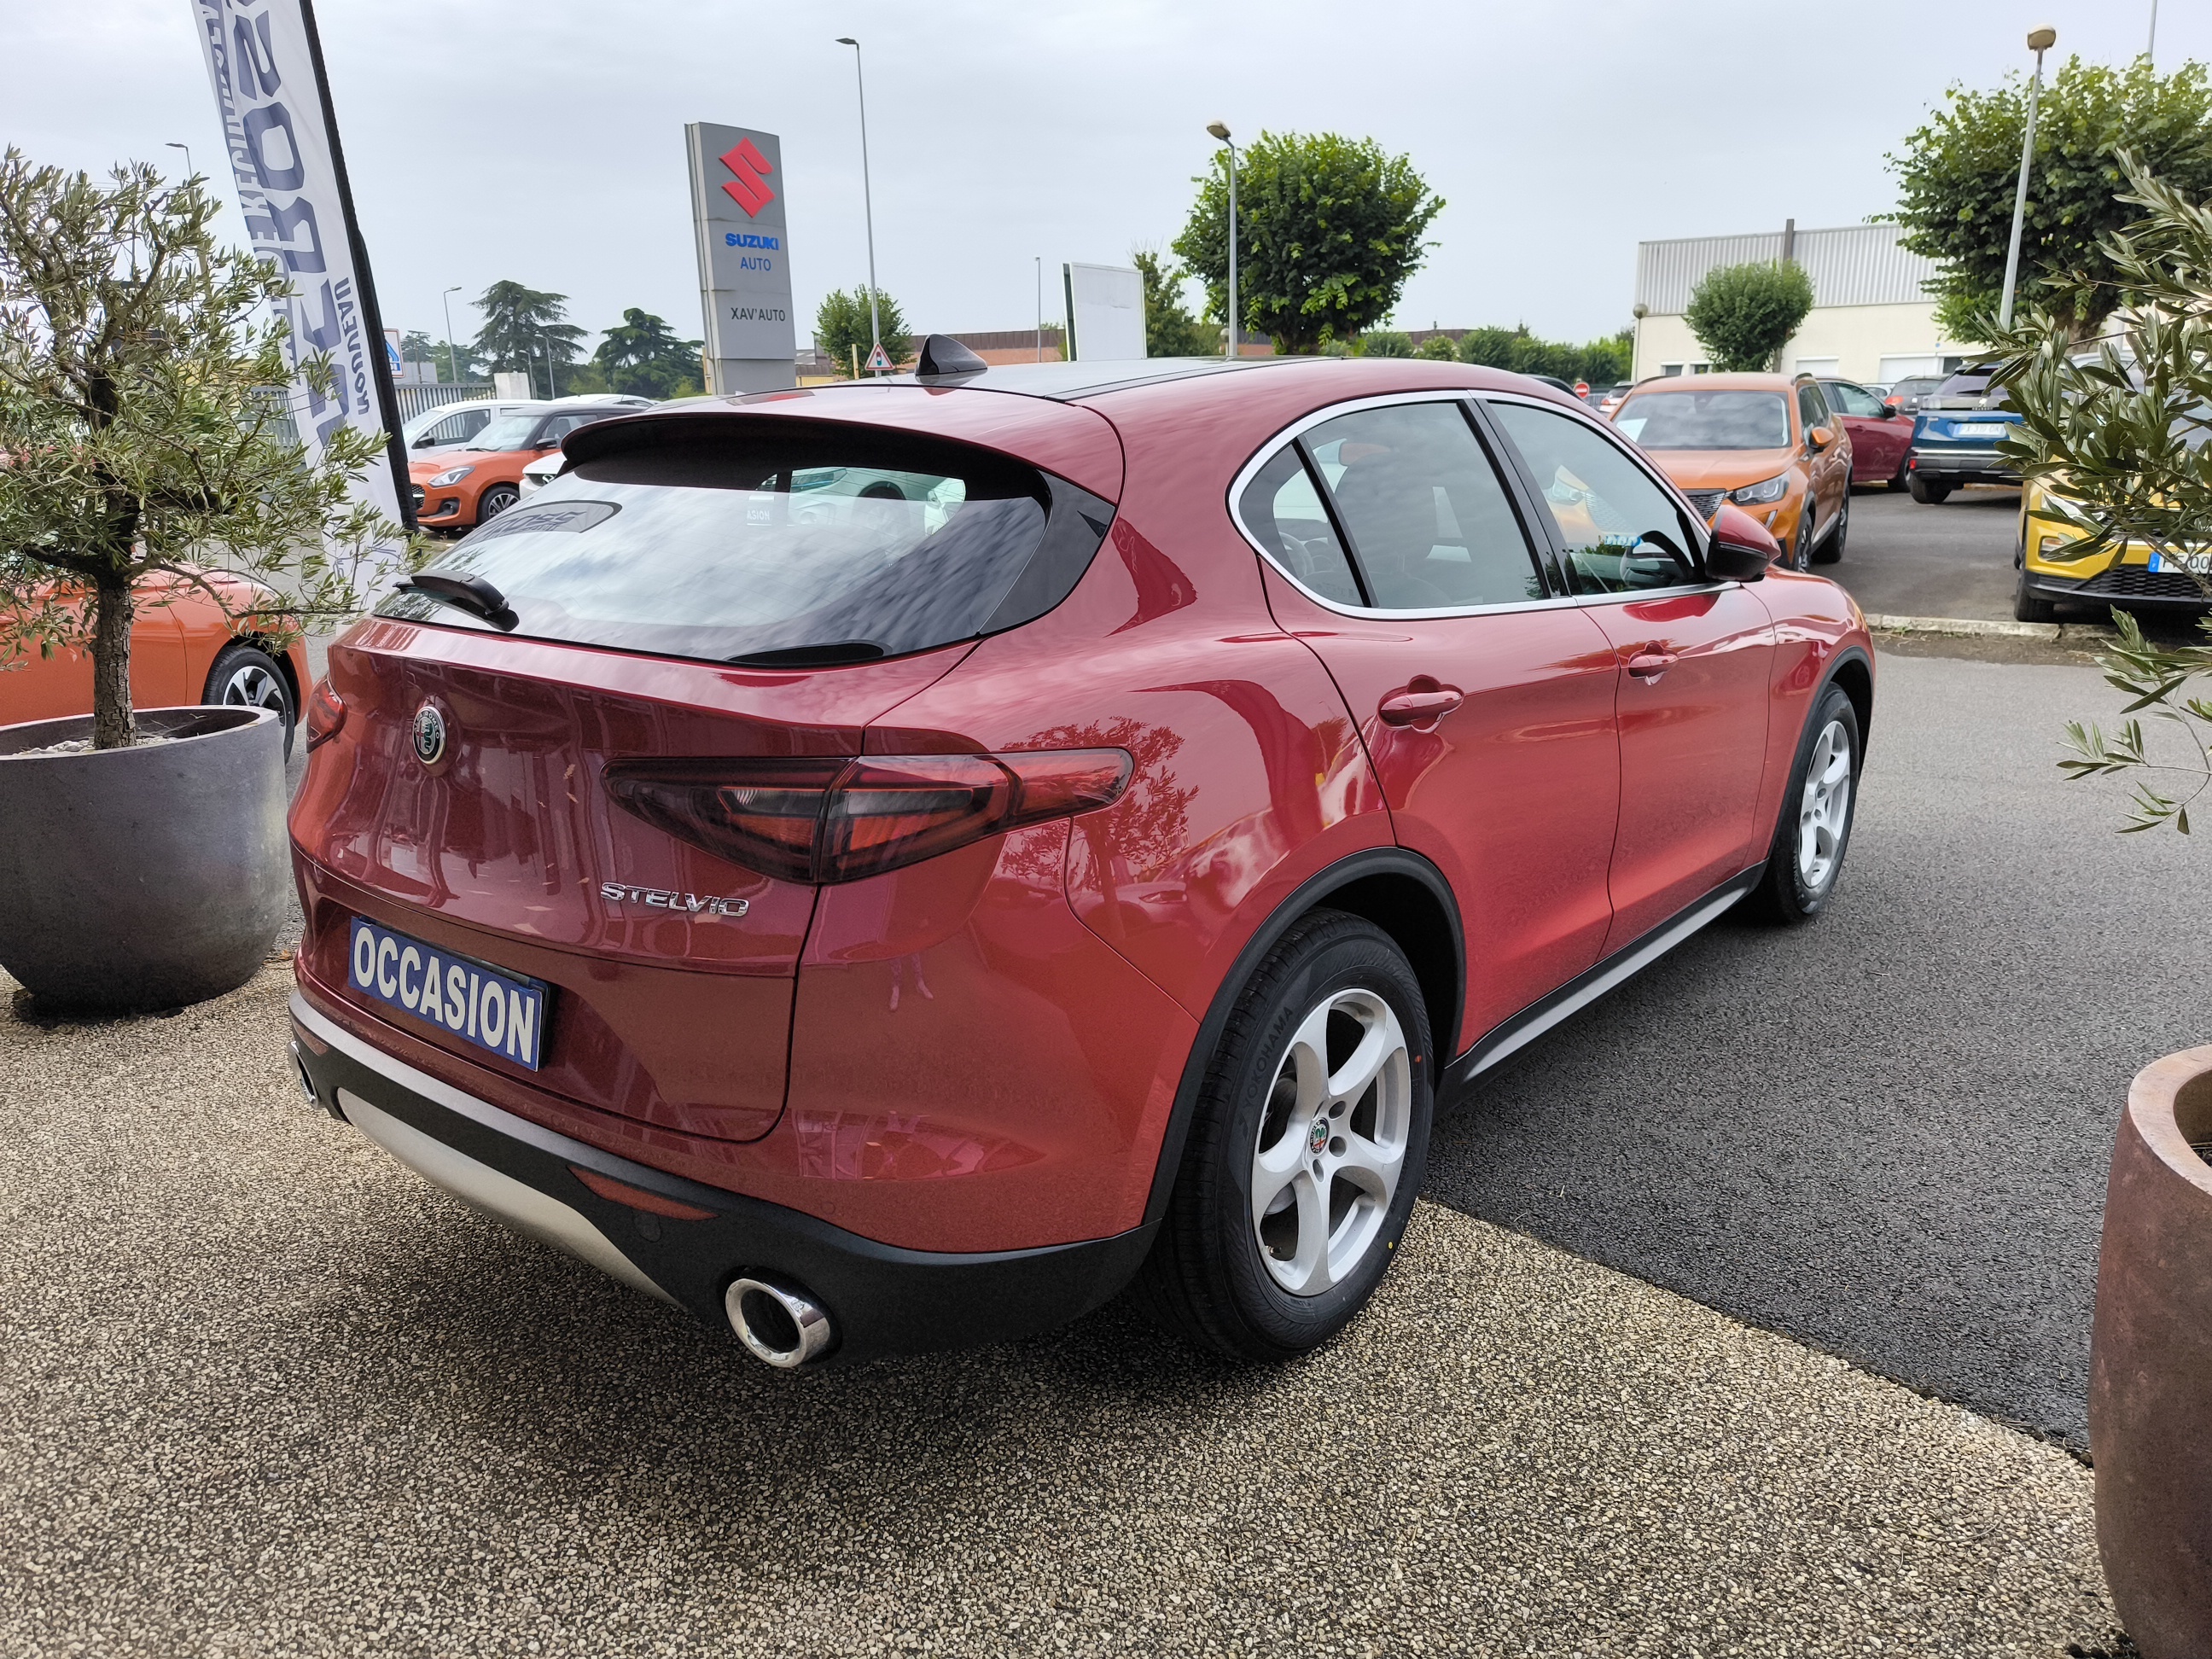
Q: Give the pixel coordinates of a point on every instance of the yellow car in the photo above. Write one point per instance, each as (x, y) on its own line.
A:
(2130, 576)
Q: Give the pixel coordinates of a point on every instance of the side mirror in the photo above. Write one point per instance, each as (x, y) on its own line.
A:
(1741, 549)
(1819, 438)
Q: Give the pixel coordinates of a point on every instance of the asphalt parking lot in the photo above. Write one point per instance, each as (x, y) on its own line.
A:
(1907, 558)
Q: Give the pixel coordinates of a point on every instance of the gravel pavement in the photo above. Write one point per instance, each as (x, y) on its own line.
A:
(266, 1393)
(1886, 1134)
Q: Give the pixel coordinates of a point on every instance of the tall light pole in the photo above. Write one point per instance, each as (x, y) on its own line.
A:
(1040, 297)
(1220, 129)
(446, 301)
(2039, 40)
(172, 144)
(868, 195)
(2151, 51)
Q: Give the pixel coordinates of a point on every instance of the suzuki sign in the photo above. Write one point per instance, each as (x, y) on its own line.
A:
(744, 270)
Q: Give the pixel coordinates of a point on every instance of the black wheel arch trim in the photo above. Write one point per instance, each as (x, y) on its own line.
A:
(1396, 862)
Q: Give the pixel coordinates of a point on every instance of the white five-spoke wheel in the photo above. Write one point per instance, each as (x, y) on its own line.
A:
(1814, 827)
(246, 677)
(254, 685)
(1309, 1135)
(1332, 1141)
(1824, 808)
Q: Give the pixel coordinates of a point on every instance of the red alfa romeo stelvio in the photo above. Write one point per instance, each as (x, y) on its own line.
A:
(886, 866)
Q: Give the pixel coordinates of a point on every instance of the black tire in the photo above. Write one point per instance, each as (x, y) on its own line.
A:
(2028, 606)
(1205, 1276)
(1784, 894)
(1902, 478)
(1929, 495)
(495, 501)
(1832, 548)
(246, 676)
(1800, 544)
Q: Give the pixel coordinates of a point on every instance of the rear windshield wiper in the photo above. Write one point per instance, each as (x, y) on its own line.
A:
(470, 594)
(811, 656)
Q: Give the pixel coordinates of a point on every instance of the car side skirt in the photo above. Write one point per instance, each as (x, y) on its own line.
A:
(1588, 986)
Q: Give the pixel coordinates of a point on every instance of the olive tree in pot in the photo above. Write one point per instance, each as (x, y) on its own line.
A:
(143, 453)
(2116, 428)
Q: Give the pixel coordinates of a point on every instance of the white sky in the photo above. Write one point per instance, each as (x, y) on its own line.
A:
(542, 140)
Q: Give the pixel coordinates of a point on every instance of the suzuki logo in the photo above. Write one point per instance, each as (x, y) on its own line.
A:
(749, 190)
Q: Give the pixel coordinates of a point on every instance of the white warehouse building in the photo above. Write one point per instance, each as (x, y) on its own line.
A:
(1872, 318)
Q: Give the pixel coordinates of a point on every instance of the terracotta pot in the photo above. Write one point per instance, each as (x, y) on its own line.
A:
(2150, 1378)
(148, 877)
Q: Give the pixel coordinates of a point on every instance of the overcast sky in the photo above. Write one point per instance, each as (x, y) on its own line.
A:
(542, 140)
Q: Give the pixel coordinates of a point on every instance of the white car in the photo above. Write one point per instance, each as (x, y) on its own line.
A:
(541, 472)
(448, 426)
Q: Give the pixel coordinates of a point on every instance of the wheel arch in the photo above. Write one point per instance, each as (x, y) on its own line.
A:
(275, 653)
(1855, 674)
(1401, 893)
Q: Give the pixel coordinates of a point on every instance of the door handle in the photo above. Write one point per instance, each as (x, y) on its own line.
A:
(1650, 665)
(1421, 703)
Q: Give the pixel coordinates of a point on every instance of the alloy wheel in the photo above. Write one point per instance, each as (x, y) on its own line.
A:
(253, 686)
(1800, 554)
(1824, 808)
(1332, 1141)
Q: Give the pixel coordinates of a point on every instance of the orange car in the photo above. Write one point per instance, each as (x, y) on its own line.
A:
(1769, 444)
(459, 488)
(185, 650)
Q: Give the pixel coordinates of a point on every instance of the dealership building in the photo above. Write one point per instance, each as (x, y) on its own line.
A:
(1872, 317)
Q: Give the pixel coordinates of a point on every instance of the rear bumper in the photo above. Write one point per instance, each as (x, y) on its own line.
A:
(882, 1299)
(1946, 465)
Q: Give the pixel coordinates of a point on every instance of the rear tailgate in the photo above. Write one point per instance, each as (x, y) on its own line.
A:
(664, 1006)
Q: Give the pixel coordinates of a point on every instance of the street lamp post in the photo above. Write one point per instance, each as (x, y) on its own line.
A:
(868, 195)
(446, 301)
(1220, 129)
(172, 144)
(2039, 40)
(1040, 300)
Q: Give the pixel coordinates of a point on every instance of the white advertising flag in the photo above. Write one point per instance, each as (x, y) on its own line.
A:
(266, 63)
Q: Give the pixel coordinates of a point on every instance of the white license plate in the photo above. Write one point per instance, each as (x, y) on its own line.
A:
(1980, 429)
(502, 1013)
(2196, 564)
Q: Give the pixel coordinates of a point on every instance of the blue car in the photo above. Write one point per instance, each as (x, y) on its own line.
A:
(1956, 434)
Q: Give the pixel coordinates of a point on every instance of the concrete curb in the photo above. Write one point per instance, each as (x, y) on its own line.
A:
(1985, 627)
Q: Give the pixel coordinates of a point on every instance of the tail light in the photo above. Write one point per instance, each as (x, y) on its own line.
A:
(835, 819)
(326, 713)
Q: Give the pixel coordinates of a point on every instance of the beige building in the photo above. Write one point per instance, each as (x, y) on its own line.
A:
(1871, 320)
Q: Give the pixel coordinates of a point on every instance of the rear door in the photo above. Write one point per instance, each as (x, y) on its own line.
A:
(1879, 439)
(1694, 659)
(1398, 551)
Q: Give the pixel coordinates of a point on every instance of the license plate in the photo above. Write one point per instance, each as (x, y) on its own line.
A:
(1980, 429)
(502, 1013)
(2196, 564)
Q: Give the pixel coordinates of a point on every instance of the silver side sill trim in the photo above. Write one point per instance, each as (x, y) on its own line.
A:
(1637, 958)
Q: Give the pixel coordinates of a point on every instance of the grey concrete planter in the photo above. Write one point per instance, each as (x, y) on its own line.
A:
(147, 877)
(2150, 1376)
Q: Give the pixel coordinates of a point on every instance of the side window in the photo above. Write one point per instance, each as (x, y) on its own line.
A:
(559, 428)
(1812, 408)
(1428, 518)
(1855, 400)
(1285, 515)
(1623, 533)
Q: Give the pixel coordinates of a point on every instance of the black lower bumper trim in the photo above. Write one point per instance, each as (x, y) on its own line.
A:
(882, 1299)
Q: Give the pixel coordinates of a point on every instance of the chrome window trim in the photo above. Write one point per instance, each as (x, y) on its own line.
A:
(1462, 395)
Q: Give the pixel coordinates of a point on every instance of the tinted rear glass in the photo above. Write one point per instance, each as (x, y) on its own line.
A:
(1971, 383)
(823, 545)
(1706, 420)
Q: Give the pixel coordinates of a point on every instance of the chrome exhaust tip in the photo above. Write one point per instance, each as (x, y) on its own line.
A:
(782, 1327)
(299, 1070)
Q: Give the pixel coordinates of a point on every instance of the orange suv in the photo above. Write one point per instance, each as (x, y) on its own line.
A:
(459, 488)
(1769, 444)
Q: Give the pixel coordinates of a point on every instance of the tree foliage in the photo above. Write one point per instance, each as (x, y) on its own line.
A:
(1600, 362)
(1329, 229)
(523, 329)
(1743, 315)
(1438, 348)
(2120, 433)
(841, 323)
(139, 442)
(1169, 329)
(643, 356)
(1957, 175)
(1383, 343)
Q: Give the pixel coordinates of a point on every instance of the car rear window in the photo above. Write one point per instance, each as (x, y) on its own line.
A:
(1972, 383)
(783, 544)
(1706, 420)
